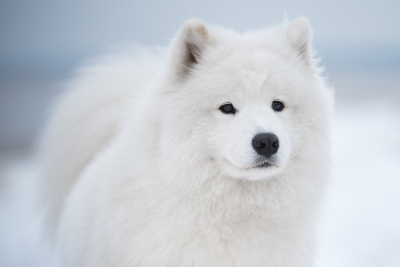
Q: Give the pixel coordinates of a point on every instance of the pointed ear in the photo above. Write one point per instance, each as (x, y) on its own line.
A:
(299, 36)
(188, 47)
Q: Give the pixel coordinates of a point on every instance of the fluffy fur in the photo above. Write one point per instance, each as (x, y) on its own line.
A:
(141, 168)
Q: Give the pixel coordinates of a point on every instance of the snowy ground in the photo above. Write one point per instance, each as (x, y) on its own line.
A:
(361, 218)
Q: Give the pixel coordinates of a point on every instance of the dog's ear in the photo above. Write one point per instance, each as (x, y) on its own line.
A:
(299, 36)
(188, 47)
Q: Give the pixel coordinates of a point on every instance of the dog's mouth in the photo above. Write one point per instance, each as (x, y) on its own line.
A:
(264, 164)
(255, 170)
(261, 165)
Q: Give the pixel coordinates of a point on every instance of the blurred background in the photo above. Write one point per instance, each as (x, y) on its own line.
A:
(42, 42)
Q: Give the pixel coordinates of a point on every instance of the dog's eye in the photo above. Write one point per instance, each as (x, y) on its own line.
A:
(227, 109)
(277, 106)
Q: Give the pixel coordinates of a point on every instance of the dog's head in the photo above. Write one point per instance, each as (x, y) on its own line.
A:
(249, 103)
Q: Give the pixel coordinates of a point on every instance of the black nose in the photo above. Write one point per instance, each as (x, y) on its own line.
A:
(266, 144)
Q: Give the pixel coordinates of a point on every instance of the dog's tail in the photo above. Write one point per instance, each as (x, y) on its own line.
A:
(86, 118)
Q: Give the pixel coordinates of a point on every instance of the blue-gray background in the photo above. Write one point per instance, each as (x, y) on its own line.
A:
(41, 42)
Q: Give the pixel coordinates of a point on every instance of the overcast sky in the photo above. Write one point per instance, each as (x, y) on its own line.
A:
(40, 30)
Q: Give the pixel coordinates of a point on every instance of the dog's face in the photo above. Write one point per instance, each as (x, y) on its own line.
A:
(243, 103)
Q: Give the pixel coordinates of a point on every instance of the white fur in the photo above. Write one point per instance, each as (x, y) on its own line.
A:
(141, 168)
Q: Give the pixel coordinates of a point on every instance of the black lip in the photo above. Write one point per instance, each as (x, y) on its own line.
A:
(264, 165)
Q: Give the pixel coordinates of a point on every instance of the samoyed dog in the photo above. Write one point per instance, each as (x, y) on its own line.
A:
(215, 156)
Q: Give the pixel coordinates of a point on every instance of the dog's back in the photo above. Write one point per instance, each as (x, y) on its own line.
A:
(86, 118)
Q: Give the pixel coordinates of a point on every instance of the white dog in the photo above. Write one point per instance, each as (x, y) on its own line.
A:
(216, 156)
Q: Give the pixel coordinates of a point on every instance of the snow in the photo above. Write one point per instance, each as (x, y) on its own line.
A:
(361, 225)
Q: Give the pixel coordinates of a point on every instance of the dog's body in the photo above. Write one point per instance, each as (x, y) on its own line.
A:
(215, 157)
